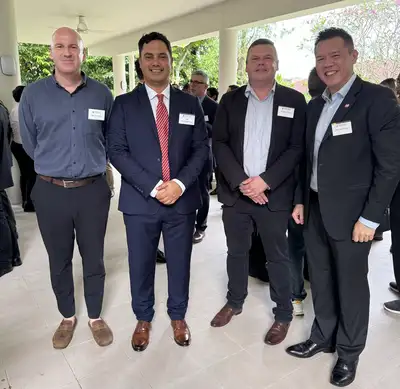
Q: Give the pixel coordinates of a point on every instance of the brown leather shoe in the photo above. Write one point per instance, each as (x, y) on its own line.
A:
(277, 333)
(224, 316)
(141, 335)
(182, 335)
(101, 332)
(64, 333)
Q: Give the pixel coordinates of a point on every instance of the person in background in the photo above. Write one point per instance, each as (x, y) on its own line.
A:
(186, 88)
(9, 249)
(213, 93)
(63, 121)
(297, 251)
(198, 87)
(232, 88)
(348, 175)
(25, 162)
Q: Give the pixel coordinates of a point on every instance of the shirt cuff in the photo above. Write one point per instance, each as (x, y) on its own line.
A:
(180, 183)
(153, 193)
(368, 223)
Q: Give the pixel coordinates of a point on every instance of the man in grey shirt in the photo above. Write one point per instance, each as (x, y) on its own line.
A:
(62, 122)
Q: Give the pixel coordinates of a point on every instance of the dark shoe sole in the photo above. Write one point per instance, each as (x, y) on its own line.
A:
(17, 262)
(184, 344)
(394, 290)
(347, 383)
(235, 314)
(391, 310)
(274, 343)
(325, 351)
(139, 348)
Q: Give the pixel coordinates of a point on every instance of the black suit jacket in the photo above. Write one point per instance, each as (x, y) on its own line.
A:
(357, 172)
(285, 151)
(6, 180)
(210, 109)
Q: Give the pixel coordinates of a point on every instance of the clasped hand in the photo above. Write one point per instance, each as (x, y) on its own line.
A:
(254, 188)
(168, 192)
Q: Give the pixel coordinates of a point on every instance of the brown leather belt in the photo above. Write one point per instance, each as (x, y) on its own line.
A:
(70, 183)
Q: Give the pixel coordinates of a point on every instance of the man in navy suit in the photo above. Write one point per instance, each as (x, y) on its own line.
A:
(158, 142)
(198, 87)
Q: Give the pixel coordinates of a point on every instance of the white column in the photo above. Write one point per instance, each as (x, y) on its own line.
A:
(119, 74)
(132, 73)
(227, 59)
(9, 47)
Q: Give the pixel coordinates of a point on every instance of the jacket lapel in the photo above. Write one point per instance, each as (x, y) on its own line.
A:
(240, 112)
(345, 106)
(276, 104)
(147, 110)
(314, 110)
(173, 112)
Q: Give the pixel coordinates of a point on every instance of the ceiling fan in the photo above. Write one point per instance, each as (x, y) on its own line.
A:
(82, 27)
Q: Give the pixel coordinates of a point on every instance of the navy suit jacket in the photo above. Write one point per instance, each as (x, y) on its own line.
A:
(210, 109)
(134, 150)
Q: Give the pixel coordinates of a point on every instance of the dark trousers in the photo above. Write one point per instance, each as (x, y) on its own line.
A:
(297, 257)
(143, 235)
(9, 249)
(339, 285)
(28, 175)
(239, 221)
(395, 230)
(204, 183)
(63, 213)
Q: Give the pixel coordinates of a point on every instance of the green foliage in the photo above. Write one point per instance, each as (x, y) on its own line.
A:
(374, 27)
(35, 63)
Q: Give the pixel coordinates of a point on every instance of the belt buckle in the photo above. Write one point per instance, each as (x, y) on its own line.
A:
(66, 182)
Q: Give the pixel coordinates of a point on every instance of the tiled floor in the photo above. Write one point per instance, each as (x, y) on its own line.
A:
(234, 357)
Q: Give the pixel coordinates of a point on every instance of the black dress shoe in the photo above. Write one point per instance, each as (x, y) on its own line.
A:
(308, 349)
(160, 257)
(16, 262)
(344, 373)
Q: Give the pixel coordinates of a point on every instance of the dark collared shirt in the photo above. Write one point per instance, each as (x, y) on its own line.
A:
(64, 133)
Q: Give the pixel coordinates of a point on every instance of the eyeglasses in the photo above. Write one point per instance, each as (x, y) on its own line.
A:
(197, 82)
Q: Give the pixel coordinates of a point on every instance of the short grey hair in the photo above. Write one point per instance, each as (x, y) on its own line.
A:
(203, 74)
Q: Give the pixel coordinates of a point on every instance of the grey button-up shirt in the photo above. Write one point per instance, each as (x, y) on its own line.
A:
(257, 132)
(64, 133)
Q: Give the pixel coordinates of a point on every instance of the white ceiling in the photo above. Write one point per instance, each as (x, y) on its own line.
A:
(36, 19)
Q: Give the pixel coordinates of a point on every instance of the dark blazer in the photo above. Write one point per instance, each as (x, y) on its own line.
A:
(6, 180)
(210, 109)
(134, 150)
(285, 151)
(357, 172)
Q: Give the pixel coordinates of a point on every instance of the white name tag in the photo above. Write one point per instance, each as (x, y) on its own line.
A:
(206, 118)
(286, 112)
(96, 114)
(341, 128)
(186, 118)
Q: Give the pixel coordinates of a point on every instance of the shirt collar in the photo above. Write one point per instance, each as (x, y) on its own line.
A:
(201, 99)
(153, 94)
(83, 74)
(342, 92)
(249, 90)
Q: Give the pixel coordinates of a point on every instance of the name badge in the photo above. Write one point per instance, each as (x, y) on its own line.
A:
(96, 114)
(341, 128)
(206, 118)
(286, 112)
(186, 118)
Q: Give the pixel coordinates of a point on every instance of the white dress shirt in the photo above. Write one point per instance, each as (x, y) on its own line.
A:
(14, 122)
(154, 102)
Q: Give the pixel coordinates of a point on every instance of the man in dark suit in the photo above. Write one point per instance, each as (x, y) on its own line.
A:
(198, 87)
(158, 142)
(350, 171)
(258, 142)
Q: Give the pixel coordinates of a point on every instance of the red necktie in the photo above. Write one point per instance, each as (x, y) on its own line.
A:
(163, 129)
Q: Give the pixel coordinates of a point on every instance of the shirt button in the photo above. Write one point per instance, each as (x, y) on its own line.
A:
(74, 163)
(73, 128)
(73, 110)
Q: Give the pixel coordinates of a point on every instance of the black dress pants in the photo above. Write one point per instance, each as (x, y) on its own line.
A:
(395, 230)
(339, 285)
(63, 213)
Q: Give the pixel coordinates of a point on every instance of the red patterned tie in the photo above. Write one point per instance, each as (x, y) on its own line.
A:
(163, 129)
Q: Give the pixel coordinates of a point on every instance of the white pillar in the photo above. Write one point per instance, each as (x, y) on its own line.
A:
(227, 59)
(132, 73)
(9, 47)
(119, 74)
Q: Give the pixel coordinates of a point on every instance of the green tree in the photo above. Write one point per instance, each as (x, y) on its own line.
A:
(374, 27)
(35, 63)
